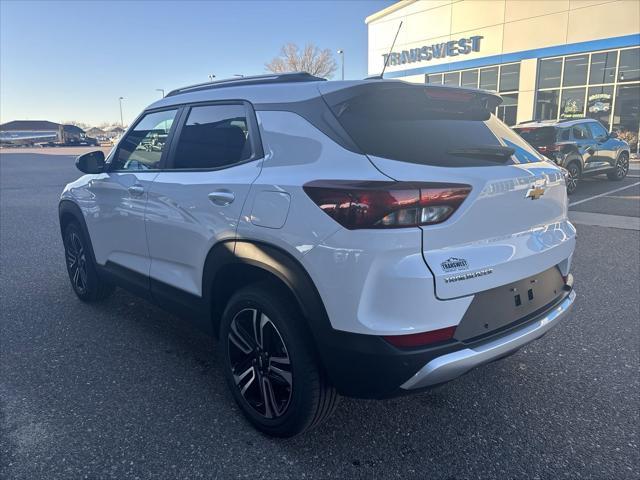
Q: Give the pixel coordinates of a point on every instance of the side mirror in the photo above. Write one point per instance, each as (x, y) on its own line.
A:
(92, 162)
(613, 135)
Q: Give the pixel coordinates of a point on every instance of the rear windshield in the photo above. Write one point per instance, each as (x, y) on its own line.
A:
(425, 125)
(538, 136)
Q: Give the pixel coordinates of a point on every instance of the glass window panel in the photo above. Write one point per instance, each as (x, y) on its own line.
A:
(142, 148)
(550, 70)
(599, 102)
(489, 78)
(509, 77)
(470, 79)
(452, 78)
(572, 103)
(603, 67)
(508, 110)
(547, 105)
(214, 136)
(434, 78)
(629, 69)
(575, 70)
(626, 118)
(580, 132)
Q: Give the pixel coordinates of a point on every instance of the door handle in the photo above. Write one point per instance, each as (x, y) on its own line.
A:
(136, 190)
(222, 197)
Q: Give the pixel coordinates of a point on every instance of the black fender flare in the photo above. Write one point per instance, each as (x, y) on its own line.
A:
(68, 208)
(276, 262)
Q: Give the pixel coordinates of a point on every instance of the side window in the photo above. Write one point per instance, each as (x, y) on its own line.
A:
(214, 136)
(580, 132)
(142, 148)
(598, 131)
(563, 134)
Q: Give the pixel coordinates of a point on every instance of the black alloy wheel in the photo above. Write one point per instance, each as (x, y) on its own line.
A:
(572, 178)
(260, 363)
(86, 283)
(270, 362)
(621, 168)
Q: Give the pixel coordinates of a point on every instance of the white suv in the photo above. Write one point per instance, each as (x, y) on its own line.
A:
(364, 238)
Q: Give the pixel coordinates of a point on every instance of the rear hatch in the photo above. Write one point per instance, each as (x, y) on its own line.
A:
(513, 223)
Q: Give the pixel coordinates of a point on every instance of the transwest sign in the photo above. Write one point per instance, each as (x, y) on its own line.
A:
(452, 48)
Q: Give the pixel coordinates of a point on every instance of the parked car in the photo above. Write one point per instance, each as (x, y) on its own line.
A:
(582, 146)
(365, 238)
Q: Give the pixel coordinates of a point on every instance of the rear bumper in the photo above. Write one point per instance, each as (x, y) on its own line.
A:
(366, 366)
(452, 365)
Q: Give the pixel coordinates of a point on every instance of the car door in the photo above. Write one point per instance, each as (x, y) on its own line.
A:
(196, 201)
(119, 195)
(585, 144)
(607, 147)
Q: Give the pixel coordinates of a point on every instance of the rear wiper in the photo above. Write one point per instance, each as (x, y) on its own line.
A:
(496, 153)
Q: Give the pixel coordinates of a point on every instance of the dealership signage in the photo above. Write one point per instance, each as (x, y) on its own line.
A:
(452, 48)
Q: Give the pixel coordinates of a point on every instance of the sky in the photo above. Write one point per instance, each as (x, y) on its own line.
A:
(71, 61)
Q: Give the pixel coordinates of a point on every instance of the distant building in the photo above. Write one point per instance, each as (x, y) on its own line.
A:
(31, 132)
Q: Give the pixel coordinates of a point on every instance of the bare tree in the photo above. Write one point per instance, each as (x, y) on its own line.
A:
(311, 60)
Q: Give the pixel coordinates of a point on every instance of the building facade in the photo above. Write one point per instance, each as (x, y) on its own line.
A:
(548, 59)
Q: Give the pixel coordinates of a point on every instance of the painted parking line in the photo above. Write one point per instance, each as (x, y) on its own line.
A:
(605, 220)
(604, 194)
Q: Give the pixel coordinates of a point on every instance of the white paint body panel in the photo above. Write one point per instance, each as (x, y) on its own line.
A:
(183, 223)
(115, 217)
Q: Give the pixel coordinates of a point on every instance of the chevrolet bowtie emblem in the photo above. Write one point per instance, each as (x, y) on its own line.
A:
(535, 193)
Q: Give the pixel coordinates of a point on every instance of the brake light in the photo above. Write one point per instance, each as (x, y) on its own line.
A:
(549, 148)
(421, 339)
(356, 205)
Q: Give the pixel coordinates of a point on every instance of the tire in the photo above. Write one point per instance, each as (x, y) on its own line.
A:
(86, 283)
(574, 172)
(621, 168)
(282, 397)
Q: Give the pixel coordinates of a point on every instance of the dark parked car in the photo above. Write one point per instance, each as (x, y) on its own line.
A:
(582, 146)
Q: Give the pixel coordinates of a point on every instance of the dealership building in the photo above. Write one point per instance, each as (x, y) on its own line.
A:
(548, 59)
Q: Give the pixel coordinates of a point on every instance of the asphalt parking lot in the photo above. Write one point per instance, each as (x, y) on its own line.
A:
(123, 390)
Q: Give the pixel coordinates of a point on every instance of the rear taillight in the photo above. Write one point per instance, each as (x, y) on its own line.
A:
(357, 205)
(421, 339)
(549, 148)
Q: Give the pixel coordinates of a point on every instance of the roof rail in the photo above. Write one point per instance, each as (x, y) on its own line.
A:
(252, 80)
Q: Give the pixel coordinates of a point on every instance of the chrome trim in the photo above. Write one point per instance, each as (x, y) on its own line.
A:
(452, 365)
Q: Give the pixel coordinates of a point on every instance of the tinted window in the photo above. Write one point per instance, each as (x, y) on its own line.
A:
(626, 119)
(423, 125)
(597, 131)
(470, 79)
(629, 69)
(213, 136)
(547, 105)
(580, 132)
(509, 77)
(575, 70)
(452, 78)
(507, 112)
(434, 78)
(142, 148)
(549, 75)
(599, 101)
(572, 104)
(538, 136)
(489, 78)
(603, 67)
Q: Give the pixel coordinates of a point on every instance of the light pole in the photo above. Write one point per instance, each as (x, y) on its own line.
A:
(160, 90)
(211, 77)
(341, 52)
(121, 121)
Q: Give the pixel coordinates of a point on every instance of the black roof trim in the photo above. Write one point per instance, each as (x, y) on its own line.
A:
(253, 80)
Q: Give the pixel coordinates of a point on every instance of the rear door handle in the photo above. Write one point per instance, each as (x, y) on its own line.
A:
(136, 190)
(222, 197)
